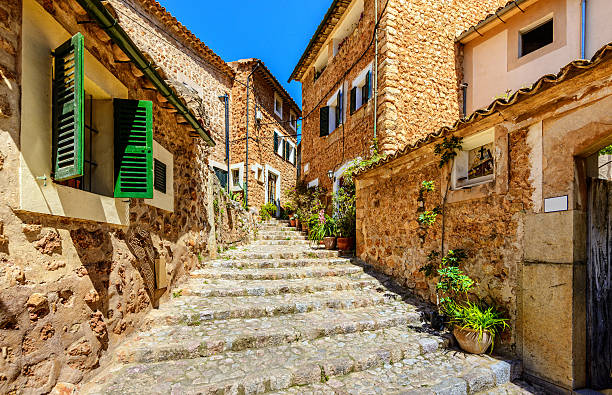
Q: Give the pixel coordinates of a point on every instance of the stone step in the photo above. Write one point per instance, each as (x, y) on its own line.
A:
(432, 374)
(277, 228)
(269, 369)
(281, 236)
(214, 337)
(277, 273)
(290, 242)
(223, 288)
(278, 252)
(275, 263)
(194, 310)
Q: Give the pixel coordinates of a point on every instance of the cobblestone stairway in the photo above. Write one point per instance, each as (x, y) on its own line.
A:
(281, 317)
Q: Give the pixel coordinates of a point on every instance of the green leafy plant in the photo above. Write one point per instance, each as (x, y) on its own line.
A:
(477, 317)
(427, 186)
(452, 283)
(428, 217)
(267, 211)
(606, 150)
(178, 293)
(447, 149)
(324, 227)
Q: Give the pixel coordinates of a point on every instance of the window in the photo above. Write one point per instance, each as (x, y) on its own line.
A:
(475, 163)
(293, 120)
(278, 143)
(74, 151)
(236, 177)
(361, 89)
(159, 174)
(534, 38)
(278, 105)
(331, 116)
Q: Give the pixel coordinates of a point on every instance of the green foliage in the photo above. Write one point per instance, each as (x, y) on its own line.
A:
(453, 282)
(178, 293)
(216, 206)
(267, 211)
(606, 150)
(428, 217)
(430, 268)
(476, 316)
(447, 149)
(427, 186)
(305, 202)
(324, 227)
(454, 257)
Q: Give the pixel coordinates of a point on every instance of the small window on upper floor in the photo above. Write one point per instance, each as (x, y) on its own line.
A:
(278, 106)
(534, 38)
(331, 116)
(293, 120)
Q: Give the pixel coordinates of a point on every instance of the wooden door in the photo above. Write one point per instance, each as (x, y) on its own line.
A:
(599, 284)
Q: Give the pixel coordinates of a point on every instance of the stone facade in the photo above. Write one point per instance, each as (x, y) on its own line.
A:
(262, 157)
(418, 80)
(525, 258)
(71, 289)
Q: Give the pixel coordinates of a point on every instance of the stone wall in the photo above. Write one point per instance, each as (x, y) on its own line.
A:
(354, 137)
(528, 261)
(261, 134)
(70, 290)
(182, 61)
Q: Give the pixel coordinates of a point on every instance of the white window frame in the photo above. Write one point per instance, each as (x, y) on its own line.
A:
(278, 111)
(333, 104)
(359, 83)
(281, 138)
(293, 120)
(164, 201)
(533, 26)
(340, 171)
(313, 183)
(292, 152)
(240, 167)
(460, 164)
(258, 171)
(306, 168)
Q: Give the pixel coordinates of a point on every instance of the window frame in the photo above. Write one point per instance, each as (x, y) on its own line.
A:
(336, 110)
(460, 163)
(550, 18)
(358, 84)
(278, 112)
(240, 168)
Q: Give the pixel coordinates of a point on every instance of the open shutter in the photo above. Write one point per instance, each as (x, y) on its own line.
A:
(353, 100)
(324, 121)
(366, 88)
(340, 117)
(133, 148)
(275, 142)
(68, 109)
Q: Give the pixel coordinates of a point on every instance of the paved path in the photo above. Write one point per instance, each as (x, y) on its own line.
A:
(281, 317)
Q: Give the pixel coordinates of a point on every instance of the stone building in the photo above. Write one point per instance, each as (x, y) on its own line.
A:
(526, 195)
(107, 196)
(414, 84)
(266, 166)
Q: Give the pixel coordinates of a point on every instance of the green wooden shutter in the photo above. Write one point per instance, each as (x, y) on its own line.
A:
(133, 148)
(366, 88)
(275, 142)
(68, 109)
(340, 117)
(353, 100)
(324, 121)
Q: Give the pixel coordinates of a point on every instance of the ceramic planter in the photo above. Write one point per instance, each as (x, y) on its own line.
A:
(330, 243)
(292, 222)
(470, 340)
(345, 243)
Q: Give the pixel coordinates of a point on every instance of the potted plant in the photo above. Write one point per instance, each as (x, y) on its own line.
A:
(475, 325)
(293, 220)
(323, 230)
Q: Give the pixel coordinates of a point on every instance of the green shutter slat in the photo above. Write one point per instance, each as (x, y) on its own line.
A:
(365, 93)
(324, 121)
(68, 109)
(275, 142)
(133, 148)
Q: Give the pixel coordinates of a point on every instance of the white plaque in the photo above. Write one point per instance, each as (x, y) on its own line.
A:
(555, 204)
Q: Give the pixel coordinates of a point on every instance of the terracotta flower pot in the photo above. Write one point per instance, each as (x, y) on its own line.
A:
(304, 227)
(345, 243)
(470, 340)
(330, 243)
(292, 222)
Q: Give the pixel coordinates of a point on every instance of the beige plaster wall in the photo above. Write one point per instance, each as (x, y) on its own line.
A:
(492, 65)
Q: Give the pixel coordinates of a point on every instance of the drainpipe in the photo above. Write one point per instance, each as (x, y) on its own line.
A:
(375, 67)
(225, 99)
(246, 182)
(111, 26)
(583, 29)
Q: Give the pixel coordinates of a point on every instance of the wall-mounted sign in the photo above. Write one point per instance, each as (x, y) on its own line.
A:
(555, 204)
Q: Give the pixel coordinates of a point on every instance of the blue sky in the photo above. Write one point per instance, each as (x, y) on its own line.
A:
(276, 31)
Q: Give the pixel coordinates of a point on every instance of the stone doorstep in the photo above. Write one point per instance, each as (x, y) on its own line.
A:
(240, 372)
(171, 343)
(193, 314)
(278, 273)
(275, 263)
(225, 288)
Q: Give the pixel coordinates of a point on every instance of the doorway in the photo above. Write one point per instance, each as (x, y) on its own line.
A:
(273, 188)
(599, 283)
